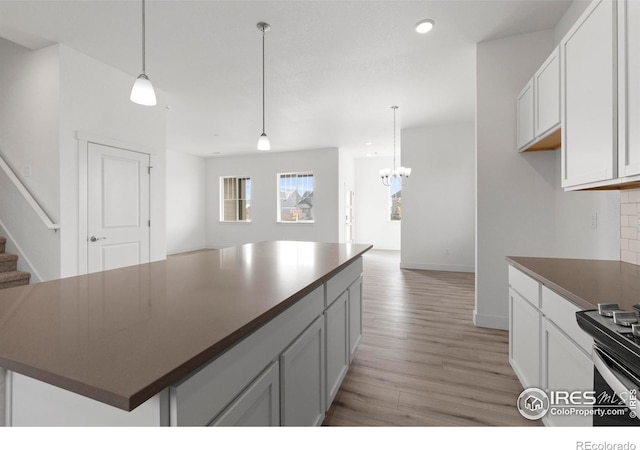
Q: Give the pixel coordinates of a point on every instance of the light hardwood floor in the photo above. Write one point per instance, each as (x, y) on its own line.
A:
(421, 361)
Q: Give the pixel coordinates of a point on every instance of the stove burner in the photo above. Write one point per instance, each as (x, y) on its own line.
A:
(607, 309)
(625, 319)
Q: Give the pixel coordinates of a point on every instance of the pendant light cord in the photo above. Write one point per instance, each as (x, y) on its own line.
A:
(394, 137)
(263, 79)
(143, 38)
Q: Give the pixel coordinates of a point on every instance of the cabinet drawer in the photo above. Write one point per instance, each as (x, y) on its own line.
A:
(342, 280)
(524, 285)
(562, 313)
(197, 400)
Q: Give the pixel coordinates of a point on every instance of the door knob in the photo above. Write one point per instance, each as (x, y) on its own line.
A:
(94, 239)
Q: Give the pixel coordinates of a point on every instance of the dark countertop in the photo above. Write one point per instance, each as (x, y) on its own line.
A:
(123, 335)
(586, 282)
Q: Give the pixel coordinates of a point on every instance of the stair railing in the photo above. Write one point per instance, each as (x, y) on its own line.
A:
(27, 196)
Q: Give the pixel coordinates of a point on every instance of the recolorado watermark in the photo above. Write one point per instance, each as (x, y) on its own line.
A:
(534, 404)
(588, 445)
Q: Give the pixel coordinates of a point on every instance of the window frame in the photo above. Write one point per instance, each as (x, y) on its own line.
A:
(237, 200)
(279, 175)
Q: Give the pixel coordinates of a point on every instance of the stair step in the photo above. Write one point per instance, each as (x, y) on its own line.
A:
(14, 278)
(8, 262)
(3, 241)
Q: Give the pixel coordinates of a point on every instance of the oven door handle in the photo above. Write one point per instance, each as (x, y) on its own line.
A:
(618, 382)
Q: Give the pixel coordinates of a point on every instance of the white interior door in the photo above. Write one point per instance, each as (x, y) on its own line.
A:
(118, 207)
(348, 223)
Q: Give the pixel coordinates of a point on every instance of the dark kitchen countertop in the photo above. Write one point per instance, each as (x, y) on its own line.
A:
(585, 282)
(124, 335)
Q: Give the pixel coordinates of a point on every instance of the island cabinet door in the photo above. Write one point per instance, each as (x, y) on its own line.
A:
(337, 345)
(258, 405)
(302, 378)
(355, 317)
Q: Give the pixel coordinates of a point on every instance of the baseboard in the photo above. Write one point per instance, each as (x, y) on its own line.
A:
(437, 267)
(24, 264)
(487, 321)
(186, 250)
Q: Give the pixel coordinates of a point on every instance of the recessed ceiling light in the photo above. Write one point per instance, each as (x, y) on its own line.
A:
(368, 143)
(424, 26)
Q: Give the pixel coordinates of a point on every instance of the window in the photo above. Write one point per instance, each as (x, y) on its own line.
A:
(235, 204)
(395, 199)
(295, 197)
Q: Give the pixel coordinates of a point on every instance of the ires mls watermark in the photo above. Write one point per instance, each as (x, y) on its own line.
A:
(534, 403)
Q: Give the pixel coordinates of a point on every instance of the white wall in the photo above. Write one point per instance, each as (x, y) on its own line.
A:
(186, 202)
(263, 168)
(29, 132)
(372, 224)
(521, 208)
(94, 99)
(438, 214)
(515, 194)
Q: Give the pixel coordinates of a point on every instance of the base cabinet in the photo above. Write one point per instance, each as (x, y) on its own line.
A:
(547, 349)
(524, 342)
(302, 381)
(355, 317)
(566, 368)
(258, 405)
(337, 345)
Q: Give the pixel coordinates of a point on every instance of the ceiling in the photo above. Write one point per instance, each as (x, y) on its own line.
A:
(333, 68)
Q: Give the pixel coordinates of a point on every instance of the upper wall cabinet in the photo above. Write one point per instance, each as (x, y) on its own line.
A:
(589, 138)
(526, 126)
(547, 87)
(628, 88)
(538, 108)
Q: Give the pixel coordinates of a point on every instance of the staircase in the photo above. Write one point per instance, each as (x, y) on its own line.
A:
(9, 275)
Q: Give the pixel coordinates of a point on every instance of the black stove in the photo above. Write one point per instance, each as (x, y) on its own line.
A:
(616, 357)
(615, 330)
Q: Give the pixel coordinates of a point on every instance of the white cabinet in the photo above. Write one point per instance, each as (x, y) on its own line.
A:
(302, 378)
(258, 405)
(355, 317)
(525, 323)
(628, 88)
(566, 368)
(547, 348)
(589, 132)
(538, 108)
(525, 114)
(337, 345)
(546, 84)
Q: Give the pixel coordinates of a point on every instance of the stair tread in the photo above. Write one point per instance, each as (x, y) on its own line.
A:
(8, 257)
(13, 276)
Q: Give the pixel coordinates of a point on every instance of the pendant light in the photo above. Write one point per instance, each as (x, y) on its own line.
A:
(263, 142)
(403, 173)
(142, 92)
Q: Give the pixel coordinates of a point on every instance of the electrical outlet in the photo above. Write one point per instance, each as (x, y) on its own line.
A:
(594, 221)
(26, 171)
(446, 252)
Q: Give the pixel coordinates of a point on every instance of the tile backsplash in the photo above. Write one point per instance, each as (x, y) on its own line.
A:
(630, 226)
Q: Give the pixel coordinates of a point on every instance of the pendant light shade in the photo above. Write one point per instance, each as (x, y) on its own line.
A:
(403, 173)
(263, 141)
(142, 92)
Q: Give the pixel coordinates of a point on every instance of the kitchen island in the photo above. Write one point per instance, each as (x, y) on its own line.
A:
(259, 334)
